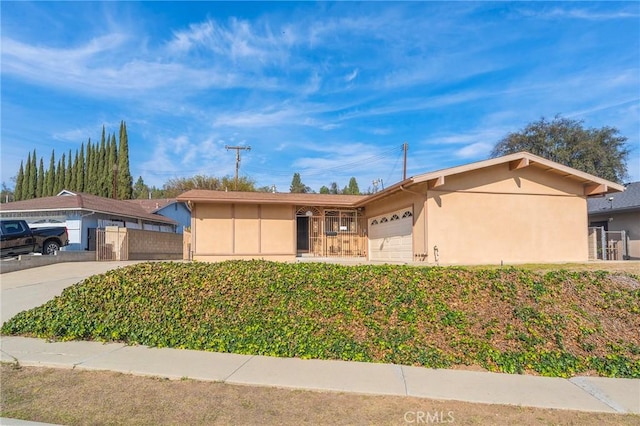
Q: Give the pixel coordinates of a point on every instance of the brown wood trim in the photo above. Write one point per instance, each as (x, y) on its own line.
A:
(595, 189)
(519, 164)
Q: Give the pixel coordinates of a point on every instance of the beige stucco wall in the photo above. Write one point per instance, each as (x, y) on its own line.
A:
(497, 215)
(243, 231)
(486, 216)
(626, 221)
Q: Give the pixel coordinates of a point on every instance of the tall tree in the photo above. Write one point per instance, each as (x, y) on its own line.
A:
(88, 182)
(29, 181)
(334, 188)
(352, 189)
(51, 175)
(80, 170)
(40, 180)
(601, 152)
(17, 191)
(140, 189)
(68, 173)
(60, 178)
(73, 182)
(102, 173)
(112, 168)
(324, 190)
(125, 180)
(297, 186)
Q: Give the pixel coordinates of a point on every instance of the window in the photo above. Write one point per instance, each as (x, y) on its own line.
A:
(13, 227)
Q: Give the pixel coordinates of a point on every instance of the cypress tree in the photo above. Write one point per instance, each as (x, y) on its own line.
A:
(26, 180)
(80, 170)
(102, 172)
(33, 176)
(51, 175)
(111, 168)
(68, 174)
(17, 192)
(61, 174)
(125, 180)
(74, 170)
(40, 180)
(88, 182)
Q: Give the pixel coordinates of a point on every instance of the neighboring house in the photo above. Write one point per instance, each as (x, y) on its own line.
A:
(82, 214)
(619, 215)
(513, 209)
(167, 207)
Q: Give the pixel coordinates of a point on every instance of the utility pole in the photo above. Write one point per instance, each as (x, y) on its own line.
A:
(405, 148)
(375, 183)
(237, 148)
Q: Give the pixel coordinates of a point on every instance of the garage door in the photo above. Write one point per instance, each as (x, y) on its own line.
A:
(390, 237)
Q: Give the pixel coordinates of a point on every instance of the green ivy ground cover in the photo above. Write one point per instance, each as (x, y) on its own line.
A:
(555, 324)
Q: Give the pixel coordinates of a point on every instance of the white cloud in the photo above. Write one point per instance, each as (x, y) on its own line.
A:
(584, 13)
(349, 78)
(475, 150)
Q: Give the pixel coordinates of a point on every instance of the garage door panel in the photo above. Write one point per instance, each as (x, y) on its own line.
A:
(391, 239)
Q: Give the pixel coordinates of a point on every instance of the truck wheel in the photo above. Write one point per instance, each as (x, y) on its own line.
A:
(50, 247)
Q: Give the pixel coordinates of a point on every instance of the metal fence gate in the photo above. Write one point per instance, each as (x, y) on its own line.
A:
(112, 243)
(333, 232)
(607, 245)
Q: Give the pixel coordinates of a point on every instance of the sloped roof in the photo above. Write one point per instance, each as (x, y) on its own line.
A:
(67, 200)
(625, 201)
(329, 200)
(154, 204)
(593, 185)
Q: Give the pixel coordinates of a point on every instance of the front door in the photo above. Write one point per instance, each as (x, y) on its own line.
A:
(302, 233)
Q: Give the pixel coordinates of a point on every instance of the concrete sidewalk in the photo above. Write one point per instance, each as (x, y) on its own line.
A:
(593, 394)
(27, 289)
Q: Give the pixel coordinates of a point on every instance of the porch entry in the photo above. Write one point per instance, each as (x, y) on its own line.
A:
(328, 232)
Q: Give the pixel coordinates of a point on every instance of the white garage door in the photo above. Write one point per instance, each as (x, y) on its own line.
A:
(390, 237)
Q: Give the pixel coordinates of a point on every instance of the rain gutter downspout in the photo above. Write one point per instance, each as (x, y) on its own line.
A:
(425, 252)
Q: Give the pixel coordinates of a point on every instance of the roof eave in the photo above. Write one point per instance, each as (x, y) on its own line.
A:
(81, 209)
(593, 184)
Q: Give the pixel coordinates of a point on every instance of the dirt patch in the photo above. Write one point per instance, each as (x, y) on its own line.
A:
(626, 281)
(74, 397)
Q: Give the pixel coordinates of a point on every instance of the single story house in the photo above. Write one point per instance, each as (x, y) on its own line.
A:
(513, 209)
(618, 215)
(167, 207)
(82, 214)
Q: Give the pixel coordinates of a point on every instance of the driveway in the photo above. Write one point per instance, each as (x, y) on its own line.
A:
(26, 289)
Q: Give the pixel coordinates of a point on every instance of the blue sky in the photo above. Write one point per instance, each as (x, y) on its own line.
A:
(329, 90)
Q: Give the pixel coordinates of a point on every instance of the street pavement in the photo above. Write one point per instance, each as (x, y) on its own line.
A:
(30, 288)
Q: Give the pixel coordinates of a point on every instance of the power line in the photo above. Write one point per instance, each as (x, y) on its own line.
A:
(311, 172)
(384, 155)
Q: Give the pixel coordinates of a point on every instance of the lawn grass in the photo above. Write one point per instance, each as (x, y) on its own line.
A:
(514, 320)
(80, 397)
